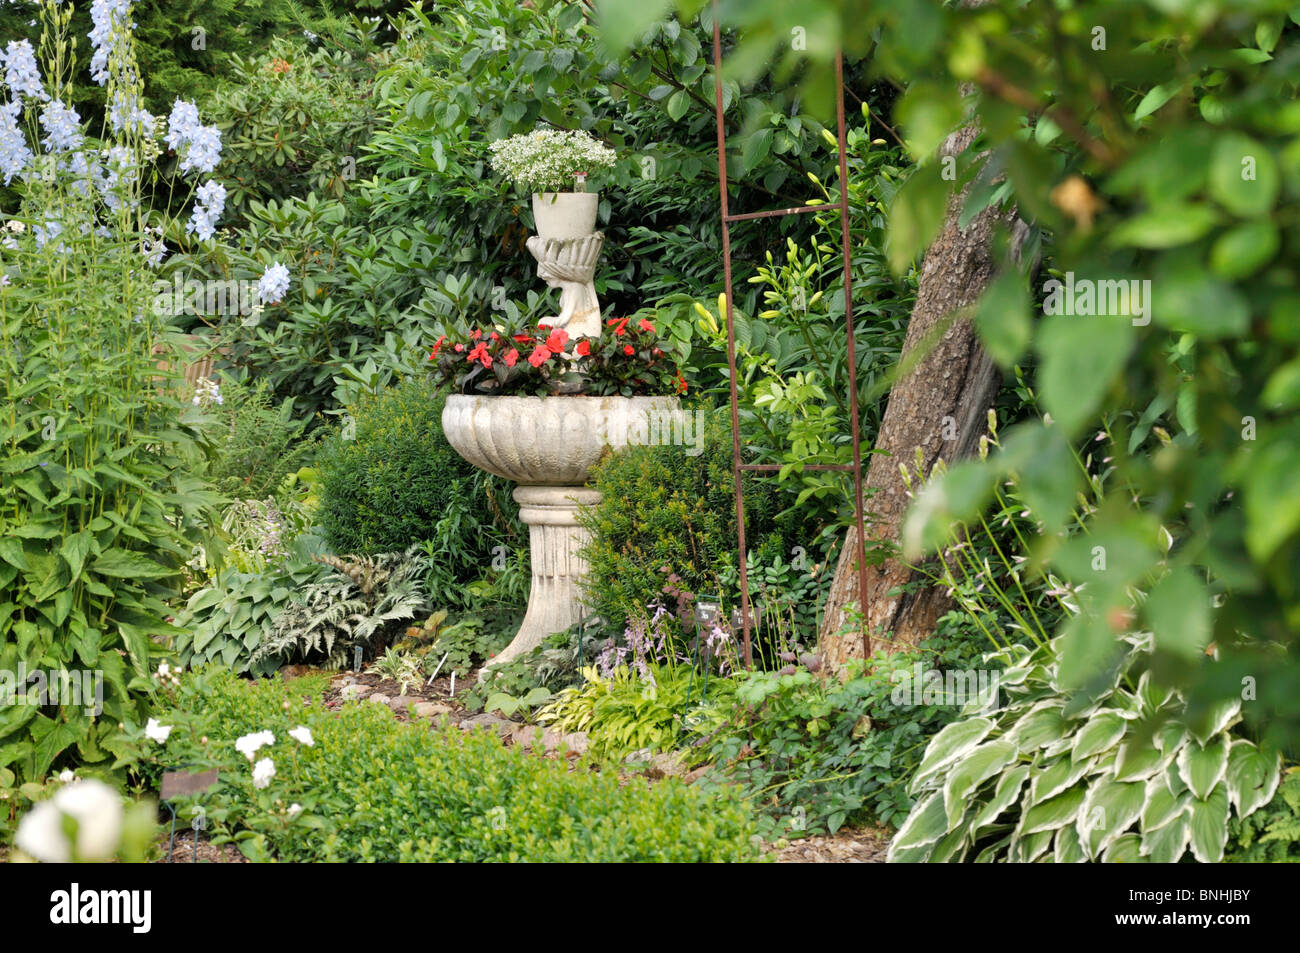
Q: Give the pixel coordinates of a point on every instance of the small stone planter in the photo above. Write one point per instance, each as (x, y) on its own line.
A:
(549, 445)
(565, 215)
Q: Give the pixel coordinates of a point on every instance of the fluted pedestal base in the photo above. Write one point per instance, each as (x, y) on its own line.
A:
(555, 537)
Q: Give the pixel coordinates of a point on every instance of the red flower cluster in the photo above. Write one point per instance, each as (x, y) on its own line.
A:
(625, 359)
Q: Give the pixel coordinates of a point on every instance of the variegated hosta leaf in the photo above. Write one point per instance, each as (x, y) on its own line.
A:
(1252, 776)
(1138, 762)
(1055, 778)
(1028, 848)
(1125, 849)
(1040, 727)
(1152, 696)
(1201, 768)
(1109, 810)
(1066, 847)
(993, 852)
(952, 847)
(1174, 780)
(1165, 844)
(1006, 792)
(1171, 736)
(950, 744)
(1102, 730)
(925, 825)
(1209, 825)
(1162, 805)
(974, 769)
(1054, 812)
(1222, 716)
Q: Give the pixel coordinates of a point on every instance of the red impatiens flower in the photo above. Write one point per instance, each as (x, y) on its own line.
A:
(583, 348)
(621, 327)
(437, 347)
(511, 356)
(458, 348)
(539, 356)
(556, 341)
(480, 353)
(681, 383)
(629, 349)
(524, 338)
(475, 334)
(493, 336)
(543, 327)
(645, 325)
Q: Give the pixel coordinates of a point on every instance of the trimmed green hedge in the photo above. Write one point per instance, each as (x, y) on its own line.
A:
(375, 789)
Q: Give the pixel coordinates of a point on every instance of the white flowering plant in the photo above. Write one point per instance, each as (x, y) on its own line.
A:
(551, 160)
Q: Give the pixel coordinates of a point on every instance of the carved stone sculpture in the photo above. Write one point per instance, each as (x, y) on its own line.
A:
(570, 265)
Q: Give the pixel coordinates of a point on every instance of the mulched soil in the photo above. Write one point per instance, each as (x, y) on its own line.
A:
(861, 846)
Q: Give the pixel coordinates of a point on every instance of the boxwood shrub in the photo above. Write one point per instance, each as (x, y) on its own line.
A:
(375, 789)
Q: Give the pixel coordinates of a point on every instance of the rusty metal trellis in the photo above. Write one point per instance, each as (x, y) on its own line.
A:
(727, 219)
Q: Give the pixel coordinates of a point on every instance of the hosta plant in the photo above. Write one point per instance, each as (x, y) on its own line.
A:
(1121, 773)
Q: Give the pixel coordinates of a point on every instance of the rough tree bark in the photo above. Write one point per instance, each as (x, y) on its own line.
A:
(956, 380)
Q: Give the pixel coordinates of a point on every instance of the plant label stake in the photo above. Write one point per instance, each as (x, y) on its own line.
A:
(177, 784)
(356, 658)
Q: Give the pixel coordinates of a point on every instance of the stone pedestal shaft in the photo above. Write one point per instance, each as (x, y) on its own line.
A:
(551, 514)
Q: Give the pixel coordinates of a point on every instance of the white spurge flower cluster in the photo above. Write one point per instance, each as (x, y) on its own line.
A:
(548, 160)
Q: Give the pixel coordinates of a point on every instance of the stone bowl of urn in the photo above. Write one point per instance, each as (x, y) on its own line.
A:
(549, 445)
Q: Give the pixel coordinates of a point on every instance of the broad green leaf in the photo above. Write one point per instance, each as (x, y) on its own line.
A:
(951, 743)
(1209, 825)
(972, 770)
(1003, 319)
(1161, 805)
(1178, 613)
(1039, 728)
(1243, 175)
(1243, 250)
(1007, 790)
(1102, 731)
(1126, 849)
(1252, 776)
(1055, 778)
(916, 215)
(925, 825)
(74, 550)
(1272, 506)
(1165, 227)
(1203, 767)
(128, 565)
(1054, 812)
(1109, 809)
(1167, 843)
(1081, 357)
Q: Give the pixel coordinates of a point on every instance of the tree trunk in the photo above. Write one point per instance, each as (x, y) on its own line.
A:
(940, 408)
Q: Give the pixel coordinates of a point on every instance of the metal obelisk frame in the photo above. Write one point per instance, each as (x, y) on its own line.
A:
(727, 218)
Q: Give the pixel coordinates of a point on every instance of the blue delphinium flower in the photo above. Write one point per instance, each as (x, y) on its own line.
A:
(274, 284)
(14, 154)
(21, 73)
(62, 127)
(207, 209)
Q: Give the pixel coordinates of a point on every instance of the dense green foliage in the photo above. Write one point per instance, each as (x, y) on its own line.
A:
(816, 753)
(1271, 834)
(1180, 177)
(372, 789)
(258, 444)
(670, 511)
(389, 479)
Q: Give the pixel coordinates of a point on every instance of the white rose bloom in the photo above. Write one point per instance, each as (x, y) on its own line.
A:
(248, 744)
(302, 735)
(95, 807)
(157, 732)
(263, 772)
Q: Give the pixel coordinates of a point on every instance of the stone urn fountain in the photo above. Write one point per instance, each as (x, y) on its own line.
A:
(548, 445)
